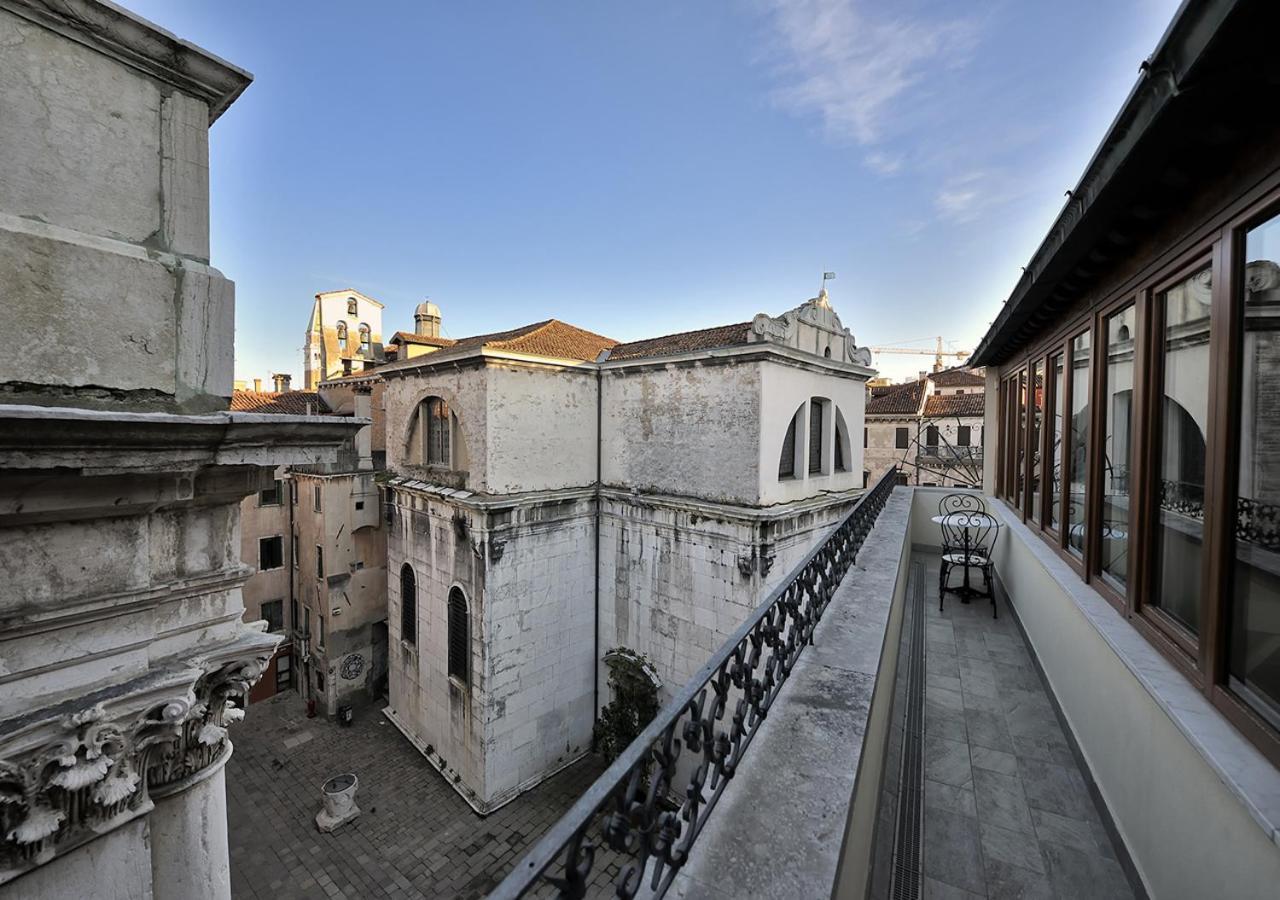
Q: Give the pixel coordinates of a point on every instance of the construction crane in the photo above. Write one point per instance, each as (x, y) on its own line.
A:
(938, 354)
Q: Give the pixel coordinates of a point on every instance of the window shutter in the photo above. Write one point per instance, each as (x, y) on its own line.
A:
(408, 605)
(787, 462)
(459, 640)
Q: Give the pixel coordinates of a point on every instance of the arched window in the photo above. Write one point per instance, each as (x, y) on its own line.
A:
(352, 306)
(408, 605)
(459, 637)
(342, 336)
(436, 421)
(366, 348)
(787, 460)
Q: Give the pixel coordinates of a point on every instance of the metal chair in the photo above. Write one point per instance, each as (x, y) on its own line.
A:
(961, 503)
(971, 534)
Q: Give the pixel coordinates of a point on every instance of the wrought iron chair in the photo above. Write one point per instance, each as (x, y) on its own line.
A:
(961, 503)
(972, 535)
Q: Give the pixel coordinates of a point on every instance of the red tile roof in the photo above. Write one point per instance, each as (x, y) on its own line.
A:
(958, 378)
(965, 405)
(683, 342)
(550, 338)
(408, 337)
(904, 401)
(282, 403)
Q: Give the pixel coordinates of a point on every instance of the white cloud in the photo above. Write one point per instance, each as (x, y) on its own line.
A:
(968, 197)
(883, 163)
(850, 68)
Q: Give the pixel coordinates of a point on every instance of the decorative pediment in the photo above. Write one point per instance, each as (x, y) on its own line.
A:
(816, 313)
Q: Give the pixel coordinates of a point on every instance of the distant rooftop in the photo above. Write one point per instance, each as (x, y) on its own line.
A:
(683, 342)
(966, 405)
(283, 403)
(550, 338)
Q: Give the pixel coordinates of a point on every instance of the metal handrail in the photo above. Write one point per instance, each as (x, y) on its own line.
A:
(648, 823)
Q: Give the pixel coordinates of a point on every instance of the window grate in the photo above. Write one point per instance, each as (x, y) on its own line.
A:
(906, 851)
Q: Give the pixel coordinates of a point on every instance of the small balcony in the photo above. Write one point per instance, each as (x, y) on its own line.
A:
(856, 738)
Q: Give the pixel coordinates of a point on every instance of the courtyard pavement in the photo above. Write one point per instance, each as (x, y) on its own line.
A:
(415, 836)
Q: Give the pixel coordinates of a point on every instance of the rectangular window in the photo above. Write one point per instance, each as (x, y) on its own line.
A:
(901, 439)
(320, 633)
(273, 612)
(1119, 330)
(306, 621)
(815, 437)
(963, 435)
(1054, 420)
(315, 499)
(437, 421)
(284, 672)
(864, 438)
(931, 436)
(319, 561)
(1253, 650)
(1078, 443)
(1020, 441)
(270, 553)
(294, 622)
(1033, 439)
(271, 496)
(1179, 448)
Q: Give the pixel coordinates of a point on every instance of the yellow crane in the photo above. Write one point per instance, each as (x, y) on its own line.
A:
(938, 354)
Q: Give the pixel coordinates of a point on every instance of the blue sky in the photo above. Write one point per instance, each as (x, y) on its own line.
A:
(642, 168)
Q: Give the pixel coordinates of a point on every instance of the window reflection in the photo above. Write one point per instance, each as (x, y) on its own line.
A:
(1020, 458)
(1037, 418)
(1080, 356)
(1254, 638)
(1055, 442)
(1114, 527)
(1180, 449)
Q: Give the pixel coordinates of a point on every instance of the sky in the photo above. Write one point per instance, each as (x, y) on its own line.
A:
(643, 168)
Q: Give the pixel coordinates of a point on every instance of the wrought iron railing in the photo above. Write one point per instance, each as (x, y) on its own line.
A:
(648, 808)
(1256, 523)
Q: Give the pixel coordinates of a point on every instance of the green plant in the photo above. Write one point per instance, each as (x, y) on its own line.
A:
(634, 685)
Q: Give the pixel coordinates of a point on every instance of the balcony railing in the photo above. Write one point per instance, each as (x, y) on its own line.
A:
(949, 454)
(648, 808)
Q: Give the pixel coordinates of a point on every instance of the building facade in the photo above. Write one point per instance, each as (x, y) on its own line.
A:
(931, 429)
(1131, 402)
(344, 335)
(126, 659)
(545, 509)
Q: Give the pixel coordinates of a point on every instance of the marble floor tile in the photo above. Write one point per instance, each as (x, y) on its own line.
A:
(952, 851)
(1074, 873)
(946, 761)
(1017, 848)
(993, 760)
(1001, 801)
(949, 798)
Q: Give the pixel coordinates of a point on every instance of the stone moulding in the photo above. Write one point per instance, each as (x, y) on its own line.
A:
(84, 767)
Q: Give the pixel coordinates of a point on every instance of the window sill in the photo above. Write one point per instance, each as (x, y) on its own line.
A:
(1240, 766)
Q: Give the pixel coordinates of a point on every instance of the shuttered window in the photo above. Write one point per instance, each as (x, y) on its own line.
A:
(459, 637)
(437, 428)
(787, 462)
(815, 437)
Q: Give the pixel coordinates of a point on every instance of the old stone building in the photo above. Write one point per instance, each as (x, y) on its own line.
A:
(930, 428)
(547, 505)
(125, 657)
(344, 335)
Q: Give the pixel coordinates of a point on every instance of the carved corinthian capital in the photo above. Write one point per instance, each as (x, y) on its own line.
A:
(73, 771)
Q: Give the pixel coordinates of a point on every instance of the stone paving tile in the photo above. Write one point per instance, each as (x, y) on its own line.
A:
(415, 837)
(1007, 811)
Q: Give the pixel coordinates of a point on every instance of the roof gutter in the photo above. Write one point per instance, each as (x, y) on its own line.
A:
(1182, 46)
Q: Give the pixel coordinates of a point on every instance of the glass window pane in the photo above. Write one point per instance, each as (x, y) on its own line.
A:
(1254, 636)
(1020, 440)
(1120, 331)
(1081, 353)
(1037, 417)
(1055, 442)
(1180, 448)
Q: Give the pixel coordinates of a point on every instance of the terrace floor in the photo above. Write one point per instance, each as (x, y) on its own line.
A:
(1007, 809)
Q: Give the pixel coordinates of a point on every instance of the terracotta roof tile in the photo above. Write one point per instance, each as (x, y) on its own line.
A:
(958, 378)
(408, 337)
(283, 403)
(683, 342)
(905, 401)
(955, 405)
(550, 338)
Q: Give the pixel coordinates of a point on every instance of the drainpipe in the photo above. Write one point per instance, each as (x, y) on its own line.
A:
(595, 647)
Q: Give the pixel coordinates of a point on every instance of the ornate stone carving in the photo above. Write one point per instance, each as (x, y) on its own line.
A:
(817, 313)
(83, 769)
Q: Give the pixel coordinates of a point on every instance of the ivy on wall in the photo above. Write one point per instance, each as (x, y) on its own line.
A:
(634, 684)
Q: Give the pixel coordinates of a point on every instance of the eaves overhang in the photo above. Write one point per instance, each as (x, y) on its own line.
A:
(1082, 238)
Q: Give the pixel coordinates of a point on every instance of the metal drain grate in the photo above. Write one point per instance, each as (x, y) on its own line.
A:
(906, 846)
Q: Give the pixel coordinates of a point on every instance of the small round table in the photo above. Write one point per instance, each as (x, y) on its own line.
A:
(965, 521)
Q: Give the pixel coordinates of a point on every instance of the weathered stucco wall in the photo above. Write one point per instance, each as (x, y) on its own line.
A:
(541, 428)
(466, 391)
(690, 430)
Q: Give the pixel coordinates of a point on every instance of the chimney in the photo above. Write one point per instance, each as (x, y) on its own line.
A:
(282, 382)
(923, 376)
(257, 385)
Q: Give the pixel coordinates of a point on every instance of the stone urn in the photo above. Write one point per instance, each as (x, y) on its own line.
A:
(339, 795)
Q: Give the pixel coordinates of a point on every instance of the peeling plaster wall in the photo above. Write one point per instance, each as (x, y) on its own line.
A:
(688, 430)
(466, 391)
(434, 710)
(541, 428)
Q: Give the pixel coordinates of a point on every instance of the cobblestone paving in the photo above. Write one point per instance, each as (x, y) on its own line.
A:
(415, 836)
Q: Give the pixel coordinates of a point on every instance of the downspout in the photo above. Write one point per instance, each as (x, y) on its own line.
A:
(595, 648)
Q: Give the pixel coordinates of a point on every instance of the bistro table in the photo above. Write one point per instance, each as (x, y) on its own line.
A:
(967, 521)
